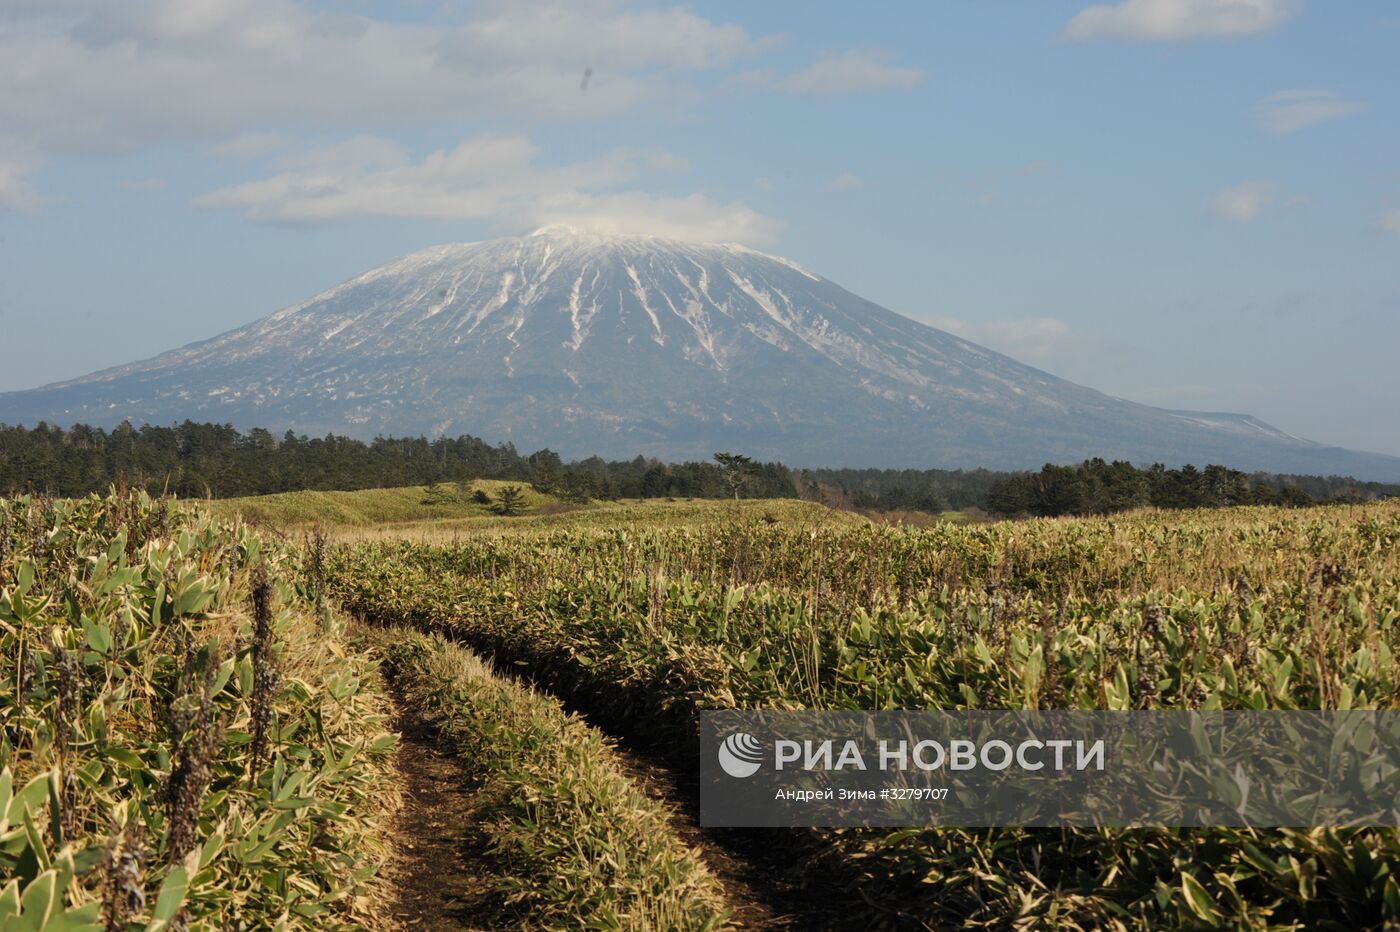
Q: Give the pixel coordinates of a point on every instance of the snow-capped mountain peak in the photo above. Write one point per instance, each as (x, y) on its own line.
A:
(618, 344)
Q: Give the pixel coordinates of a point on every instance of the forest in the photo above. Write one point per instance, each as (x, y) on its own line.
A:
(194, 460)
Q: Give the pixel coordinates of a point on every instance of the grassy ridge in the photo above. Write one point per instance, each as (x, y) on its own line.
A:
(603, 516)
(183, 742)
(1247, 608)
(414, 512)
(372, 506)
(573, 836)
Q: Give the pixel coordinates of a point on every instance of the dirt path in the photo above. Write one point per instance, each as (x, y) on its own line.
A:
(439, 874)
(764, 895)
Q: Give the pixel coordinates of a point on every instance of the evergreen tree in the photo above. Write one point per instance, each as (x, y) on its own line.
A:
(735, 469)
(511, 502)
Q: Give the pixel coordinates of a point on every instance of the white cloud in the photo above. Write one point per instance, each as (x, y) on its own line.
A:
(488, 177)
(1166, 20)
(603, 36)
(144, 184)
(1036, 167)
(1389, 222)
(845, 181)
(95, 76)
(848, 73)
(1029, 338)
(1243, 202)
(91, 77)
(692, 217)
(1290, 111)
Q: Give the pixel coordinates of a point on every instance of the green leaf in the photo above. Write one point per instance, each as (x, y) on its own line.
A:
(1391, 898)
(38, 902)
(7, 790)
(211, 848)
(36, 841)
(25, 577)
(296, 802)
(28, 799)
(1198, 899)
(222, 677)
(125, 757)
(170, 899)
(1282, 675)
(99, 636)
(1258, 859)
(9, 899)
(85, 918)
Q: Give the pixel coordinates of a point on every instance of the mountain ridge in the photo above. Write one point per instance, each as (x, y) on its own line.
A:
(625, 344)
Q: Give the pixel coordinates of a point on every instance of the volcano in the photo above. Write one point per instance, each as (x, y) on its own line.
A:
(626, 345)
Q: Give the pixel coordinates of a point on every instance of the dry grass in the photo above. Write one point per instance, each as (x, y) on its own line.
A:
(295, 510)
(632, 515)
(411, 513)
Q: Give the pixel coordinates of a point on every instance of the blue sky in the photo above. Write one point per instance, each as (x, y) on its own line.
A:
(1191, 203)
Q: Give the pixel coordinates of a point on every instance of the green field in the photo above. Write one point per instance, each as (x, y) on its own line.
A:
(183, 742)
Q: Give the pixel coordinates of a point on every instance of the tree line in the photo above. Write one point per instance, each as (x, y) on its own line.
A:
(194, 460)
(1097, 487)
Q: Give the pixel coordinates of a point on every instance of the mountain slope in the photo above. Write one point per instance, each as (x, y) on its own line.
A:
(623, 345)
